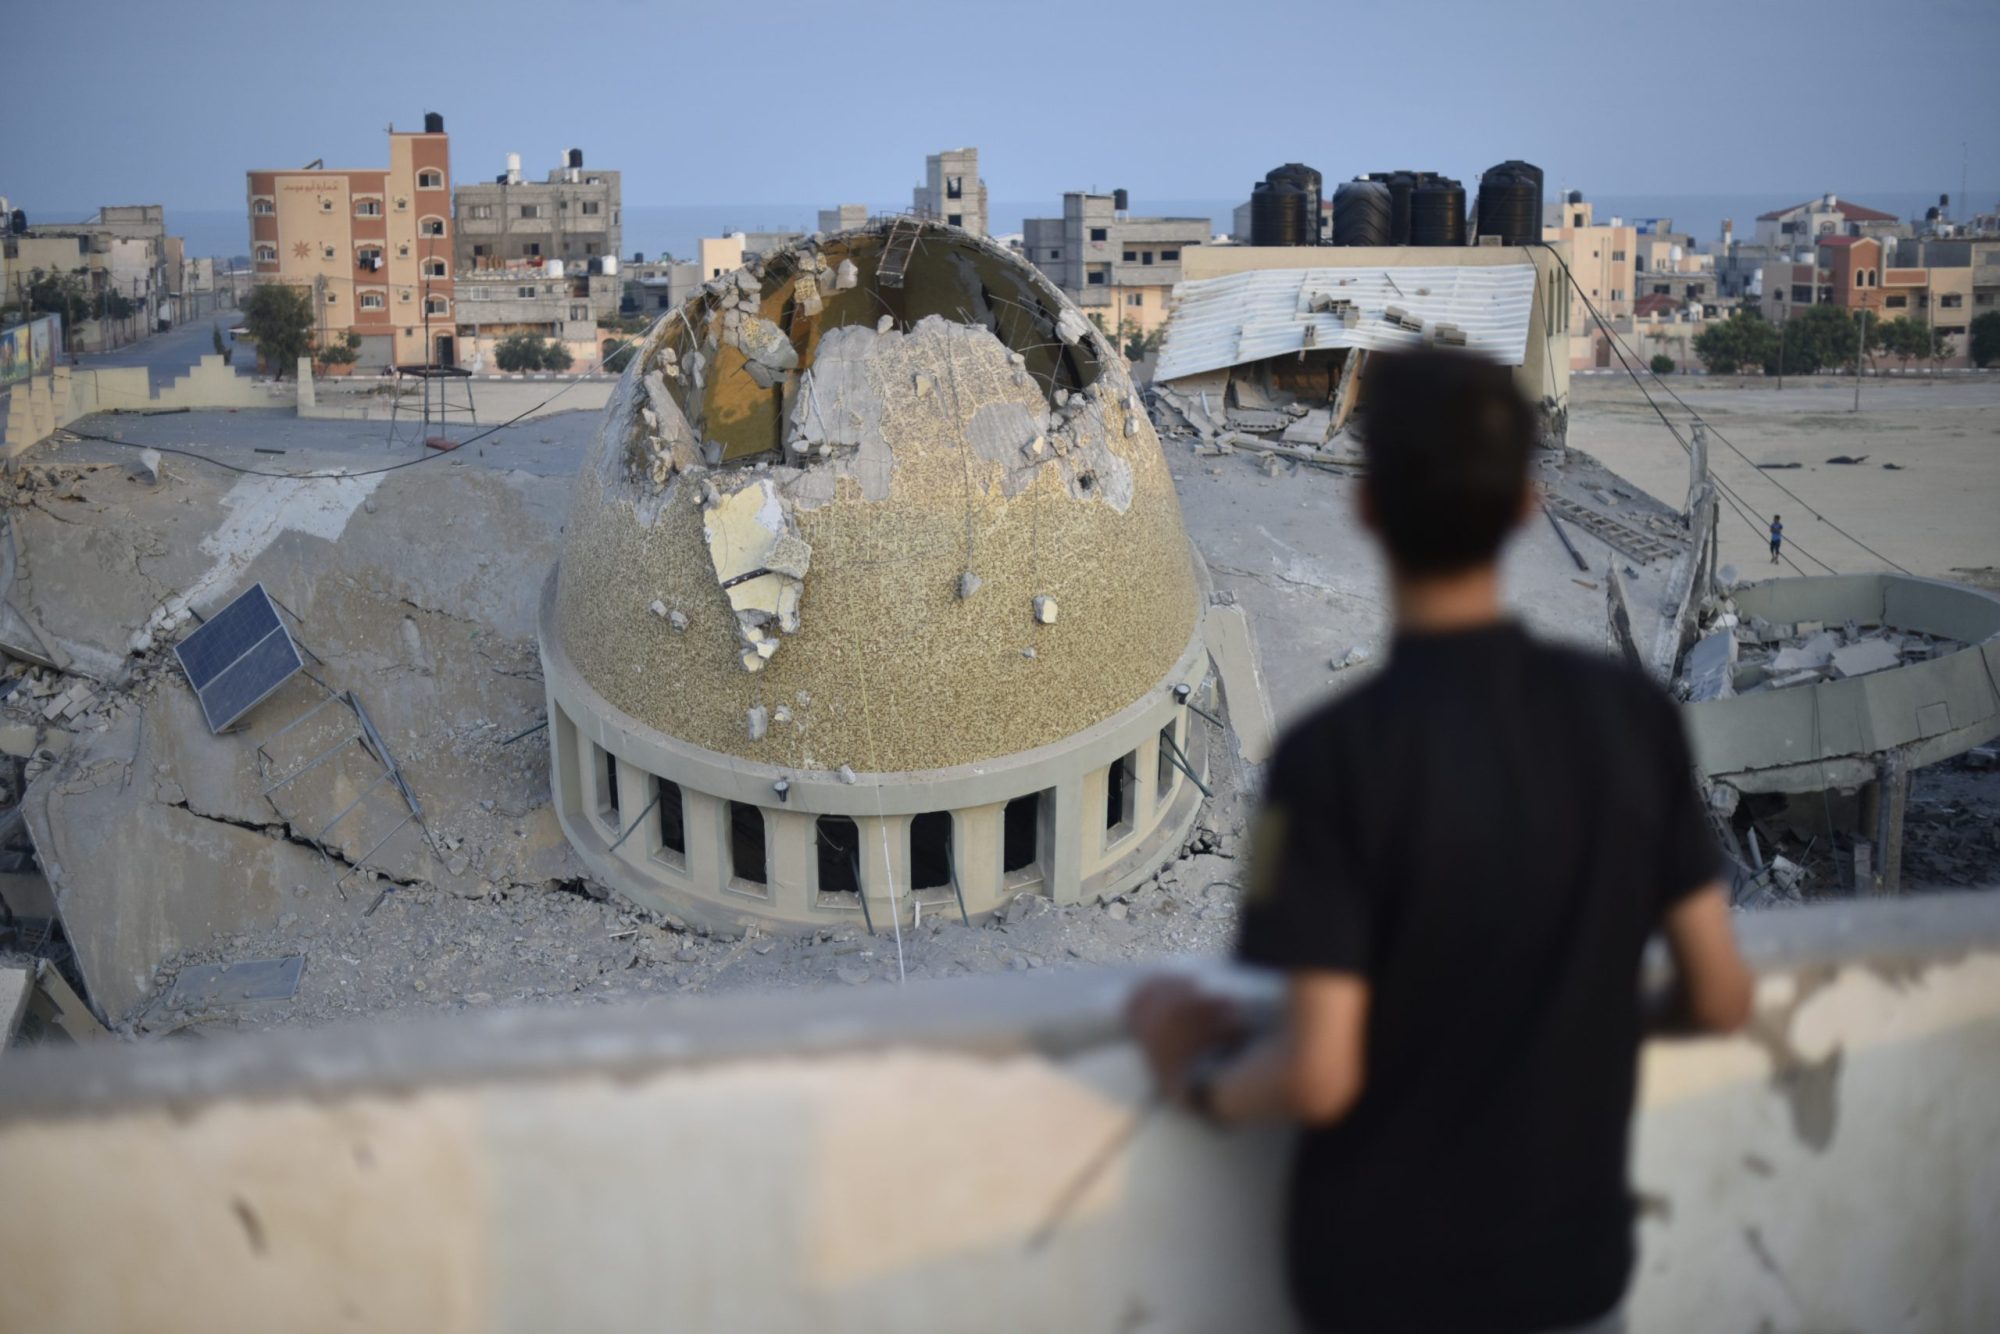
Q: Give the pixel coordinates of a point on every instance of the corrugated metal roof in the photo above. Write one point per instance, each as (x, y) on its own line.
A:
(1241, 317)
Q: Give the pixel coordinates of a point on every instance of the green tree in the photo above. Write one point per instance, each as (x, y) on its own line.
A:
(1746, 338)
(1986, 339)
(342, 351)
(618, 354)
(113, 304)
(530, 352)
(280, 319)
(1662, 364)
(61, 294)
(1938, 346)
(1816, 338)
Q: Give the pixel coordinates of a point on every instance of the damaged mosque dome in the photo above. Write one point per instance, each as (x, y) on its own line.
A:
(874, 591)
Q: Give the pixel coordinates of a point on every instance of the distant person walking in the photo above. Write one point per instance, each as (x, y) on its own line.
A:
(1777, 537)
(1458, 865)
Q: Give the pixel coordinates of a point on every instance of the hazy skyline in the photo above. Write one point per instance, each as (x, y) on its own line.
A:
(172, 104)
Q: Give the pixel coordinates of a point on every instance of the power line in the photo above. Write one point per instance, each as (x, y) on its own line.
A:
(1726, 442)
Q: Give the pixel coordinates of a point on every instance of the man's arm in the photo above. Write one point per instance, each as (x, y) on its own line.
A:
(1712, 985)
(1311, 1069)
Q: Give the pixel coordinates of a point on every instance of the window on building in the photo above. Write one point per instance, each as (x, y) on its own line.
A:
(532, 248)
(954, 187)
(479, 211)
(1952, 330)
(1576, 220)
(430, 178)
(1135, 298)
(1617, 257)
(1145, 257)
(325, 205)
(673, 821)
(930, 851)
(327, 252)
(591, 208)
(746, 844)
(1802, 294)
(531, 210)
(1131, 257)
(332, 298)
(372, 301)
(607, 785)
(1100, 233)
(1170, 256)
(1896, 302)
(837, 854)
(955, 219)
(479, 252)
(402, 250)
(1952, 300)
(368, 257)
(434, 268)
(437, 305)
(431, 227)
(590, 247)
(525, 293)
(1094, 277)
(263, 208)
(1982, 298)
(368, 208)
(1119, 781)
(267, 254)
(579, 312)
(401, 203)
(1661, 289)
(1055, 254)
(1021, 835)
(403, 295)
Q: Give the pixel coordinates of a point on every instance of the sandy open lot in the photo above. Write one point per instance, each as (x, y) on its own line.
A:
(1934, 513)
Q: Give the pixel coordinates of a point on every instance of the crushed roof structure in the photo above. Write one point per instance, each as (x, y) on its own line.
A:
(1852, 212)
(1242, 317)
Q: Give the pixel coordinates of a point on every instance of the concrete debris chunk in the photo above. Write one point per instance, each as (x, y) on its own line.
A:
(846, 276)
(968, 584)
(761, 562)
(1354, 657)
(758, 721)
(886, 323)
(1709, 671)
(1870, 655)
(1045, 609)
(146, 468)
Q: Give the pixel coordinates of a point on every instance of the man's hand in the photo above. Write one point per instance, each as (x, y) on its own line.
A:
(1176, 1023)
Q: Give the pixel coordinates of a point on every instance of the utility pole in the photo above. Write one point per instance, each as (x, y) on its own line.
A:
(1860, 352)
(1781, 355)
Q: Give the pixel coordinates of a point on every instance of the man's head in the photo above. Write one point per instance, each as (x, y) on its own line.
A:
(1447, 438)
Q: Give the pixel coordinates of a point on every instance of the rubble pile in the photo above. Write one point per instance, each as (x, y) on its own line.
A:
(1736, 655)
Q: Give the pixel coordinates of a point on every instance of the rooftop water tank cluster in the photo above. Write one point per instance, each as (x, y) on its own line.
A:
(1404, 207)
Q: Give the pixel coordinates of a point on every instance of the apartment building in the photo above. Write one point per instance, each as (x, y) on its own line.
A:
(1828, 215)
(1944, 284)
(1604, 264)
(952, 191)
(512, 224)
(375, 245)
(1117, 267)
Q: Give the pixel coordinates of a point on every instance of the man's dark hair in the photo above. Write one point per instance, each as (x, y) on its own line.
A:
(1447, 438)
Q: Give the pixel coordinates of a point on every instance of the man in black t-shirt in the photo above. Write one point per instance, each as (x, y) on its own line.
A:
(1458, 864)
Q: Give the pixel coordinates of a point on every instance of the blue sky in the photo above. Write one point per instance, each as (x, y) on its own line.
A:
(778, 102)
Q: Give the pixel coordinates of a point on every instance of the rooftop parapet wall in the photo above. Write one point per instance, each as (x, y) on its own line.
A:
(881, 1162)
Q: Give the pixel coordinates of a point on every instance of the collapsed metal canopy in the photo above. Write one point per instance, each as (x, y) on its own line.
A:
(1244, 317)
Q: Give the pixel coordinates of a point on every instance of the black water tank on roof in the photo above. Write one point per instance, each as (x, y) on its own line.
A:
(1120, 201)
(1401, 184)
(1363, 213)
(1510, 203)
(1437, 213)
(576, 157)
(1278, 214)
(433, 123)
(1308, 182)
(19, 222)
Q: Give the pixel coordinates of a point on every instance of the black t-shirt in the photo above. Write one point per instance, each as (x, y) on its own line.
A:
(1488, 831)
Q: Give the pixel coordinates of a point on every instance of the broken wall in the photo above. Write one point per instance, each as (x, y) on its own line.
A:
(889, 1161)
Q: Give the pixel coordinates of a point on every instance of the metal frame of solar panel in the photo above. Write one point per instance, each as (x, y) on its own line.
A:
(238, 657)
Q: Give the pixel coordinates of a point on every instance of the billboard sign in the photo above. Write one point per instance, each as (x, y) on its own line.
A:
(29, 349)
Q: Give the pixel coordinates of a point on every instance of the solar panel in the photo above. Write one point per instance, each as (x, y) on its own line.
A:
(238, 657)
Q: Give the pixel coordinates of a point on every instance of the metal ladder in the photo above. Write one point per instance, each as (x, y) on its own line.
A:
(896, 252)
(1633, 542)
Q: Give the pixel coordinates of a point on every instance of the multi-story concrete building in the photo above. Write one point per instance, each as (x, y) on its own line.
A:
(510, 223)
(1828, 215)
(122, 250)
(952, 192)
(843, 217)
(373, 244)
(1944, 284)
(1119, 268)
(1604, 264)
